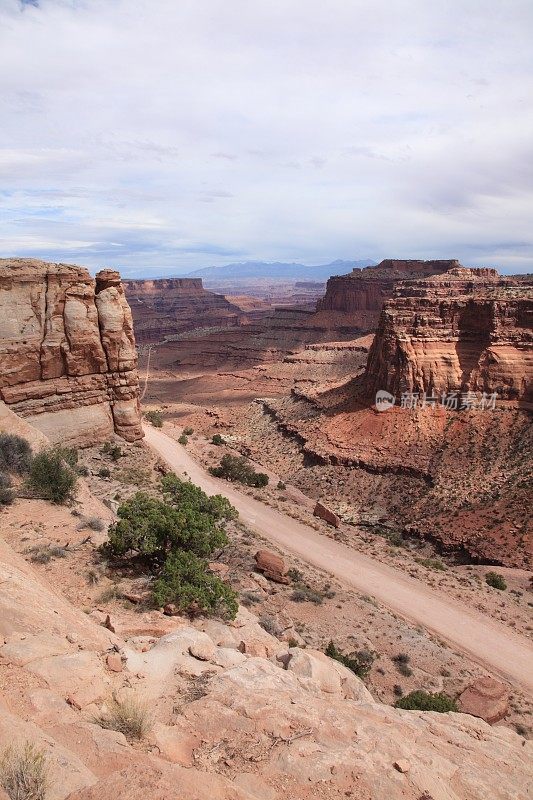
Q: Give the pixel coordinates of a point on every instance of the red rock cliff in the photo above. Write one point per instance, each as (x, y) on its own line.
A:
(167, 306)
(466, 330)
(367, 289)
(67, 351)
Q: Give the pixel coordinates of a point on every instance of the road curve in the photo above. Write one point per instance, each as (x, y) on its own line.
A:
(487, 642)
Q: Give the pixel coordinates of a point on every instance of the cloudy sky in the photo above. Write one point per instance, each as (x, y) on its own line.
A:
(163, 135)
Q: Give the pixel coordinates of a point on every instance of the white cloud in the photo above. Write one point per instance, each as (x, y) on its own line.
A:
(171, 135)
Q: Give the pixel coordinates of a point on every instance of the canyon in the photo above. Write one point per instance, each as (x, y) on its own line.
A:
(253, 708)
(68, 361)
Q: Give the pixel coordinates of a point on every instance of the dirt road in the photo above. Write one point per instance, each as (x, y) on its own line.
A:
(487, 642)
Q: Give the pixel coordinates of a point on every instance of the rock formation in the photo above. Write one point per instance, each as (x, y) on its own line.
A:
(363, 291)
(466, 330)
(236, 713)
(170, 306)
(67, 351)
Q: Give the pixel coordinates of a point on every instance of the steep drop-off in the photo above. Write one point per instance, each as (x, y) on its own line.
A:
(68, 361)
(466, 330)
(169, 306)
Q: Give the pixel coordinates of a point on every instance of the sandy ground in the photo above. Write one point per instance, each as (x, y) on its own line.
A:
(485, 641)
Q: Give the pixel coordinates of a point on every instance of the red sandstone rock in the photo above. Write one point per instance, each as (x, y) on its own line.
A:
(67, 351)
(114, 662)
(272, 566)
(327, 515)
(486, 698)
(465, 330)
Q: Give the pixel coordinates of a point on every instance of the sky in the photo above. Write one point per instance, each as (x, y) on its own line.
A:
(160, 136)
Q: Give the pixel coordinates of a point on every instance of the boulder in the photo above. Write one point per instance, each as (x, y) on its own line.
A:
(486, 698)
(272, 566)
(327, 515)
(329, 675)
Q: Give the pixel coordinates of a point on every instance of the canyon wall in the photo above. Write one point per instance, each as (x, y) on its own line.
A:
(466, 330)
(68, 361)
(365, 290)
(169, 306)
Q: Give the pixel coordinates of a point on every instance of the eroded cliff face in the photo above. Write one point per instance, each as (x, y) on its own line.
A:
(67, 351)
(169, 306)
(365, 290)
(466, 330)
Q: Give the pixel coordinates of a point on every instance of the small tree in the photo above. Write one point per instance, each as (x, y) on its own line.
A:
(7, 495)
(51, 477)
(238, 468)
(150, 527)
(186, 583)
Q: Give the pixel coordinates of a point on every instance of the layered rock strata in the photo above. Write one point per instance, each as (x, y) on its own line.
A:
(68, 361)
(468, 330)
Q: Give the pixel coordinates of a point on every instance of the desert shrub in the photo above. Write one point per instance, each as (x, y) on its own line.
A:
(15, 453)
(360, 663)
(183, 439)
(112, 450)
(129, 716)
(155, 418)
(92, 523)
(397, 689)
(69, 455)
(281, 485)
(270, 625)
(82, 470)
(496, 580)
(43, 554)
(250, 598)
(51, 477)
(188, 431)
(402, 663)
(432, 563)
(305, 594)
(24, 773)
(104, 472)
(425, 701)
(186, 582)
(217, 439)
(295, 575)
(238, 468)
(7, 495)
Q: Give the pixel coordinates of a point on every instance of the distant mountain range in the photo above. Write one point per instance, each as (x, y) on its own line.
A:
(277, 270)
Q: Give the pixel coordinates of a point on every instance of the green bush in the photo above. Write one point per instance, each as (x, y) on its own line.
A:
(186, 582)
(360, 663)
(104, 472)
(155, 417)
(15, 453)
(7, 495)
(183, 439)
(51, 477)
(184, 493)
(281, 485)
(425, 701)
(112, 450)
(188, 431)
(238, 468)
(217, 439)
(149, 527)
(496, 580)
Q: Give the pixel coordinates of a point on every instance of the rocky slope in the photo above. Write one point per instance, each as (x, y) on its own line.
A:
(236, 713)
(170, 306)
(67, 351)
(466, 330)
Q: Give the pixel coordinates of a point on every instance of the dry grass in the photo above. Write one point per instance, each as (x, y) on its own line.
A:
(129, 716)
(23, 773)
